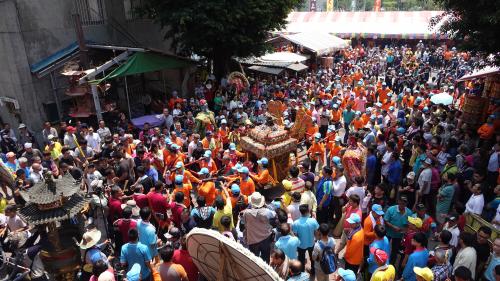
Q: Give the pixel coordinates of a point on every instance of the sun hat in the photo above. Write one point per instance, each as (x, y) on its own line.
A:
(377, 209)
(257, 200)
(21, 126)
(380, 255)
(354, 218)
(347, 274)
(133, 205)
(287, 185)
(263, 161)
(417, 222)
(90, 239)
(424, 272)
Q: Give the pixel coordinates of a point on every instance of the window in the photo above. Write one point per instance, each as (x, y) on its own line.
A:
(92, 12)
(130, 7)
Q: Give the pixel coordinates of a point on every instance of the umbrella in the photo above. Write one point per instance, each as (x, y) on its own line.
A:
(442, 98)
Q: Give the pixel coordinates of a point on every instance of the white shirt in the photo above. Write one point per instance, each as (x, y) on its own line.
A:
(94, 141)
(358, 190)
(455, 232)
(386, 162)
(15, 223)
(339, 186)
(293, 210)
(69, 140)
(425, 177)
(466, 257)
(475, 204)
(493, 162)
(191, 147)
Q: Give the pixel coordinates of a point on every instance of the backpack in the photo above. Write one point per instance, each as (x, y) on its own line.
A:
(327, 259)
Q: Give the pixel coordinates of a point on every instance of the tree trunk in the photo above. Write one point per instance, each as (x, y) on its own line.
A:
(221, 63)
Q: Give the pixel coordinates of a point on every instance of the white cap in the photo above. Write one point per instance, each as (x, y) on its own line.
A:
(28, 145)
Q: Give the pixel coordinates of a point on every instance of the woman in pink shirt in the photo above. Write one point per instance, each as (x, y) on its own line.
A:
(351, 207)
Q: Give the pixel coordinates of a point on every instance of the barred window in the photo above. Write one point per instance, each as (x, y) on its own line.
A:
(92, 12)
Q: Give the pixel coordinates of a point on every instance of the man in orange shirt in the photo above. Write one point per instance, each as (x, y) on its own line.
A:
(171, 156)
(185, 188)
(358, 123)
(234, 154)
(207, 187)
(247, 185)
(355, 243)
(209, 142)
(336, 115)
(263, 178)
(187, 176)
(382, 92)
(388, 102)
(486, 130)
(208, 162)
(373, 219)
(223, 134)
(316, 151)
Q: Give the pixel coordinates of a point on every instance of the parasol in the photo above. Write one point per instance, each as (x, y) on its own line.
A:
(5, 175)
(220, 258)
(442, 98)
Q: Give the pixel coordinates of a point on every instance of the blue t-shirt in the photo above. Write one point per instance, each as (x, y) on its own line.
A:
(418, 258)
(383, 245)
(136, 253)
(393, 216)
(288, 244)
(394, 174)
(490, 270)
(147, 236)
(152, 173)
(324, 187)
(305, 227)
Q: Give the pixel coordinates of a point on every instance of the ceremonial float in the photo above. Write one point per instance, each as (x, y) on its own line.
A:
(273, 142)
(219, 258)
(54, 205)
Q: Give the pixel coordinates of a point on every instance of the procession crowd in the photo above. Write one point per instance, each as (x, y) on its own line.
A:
(403, 218)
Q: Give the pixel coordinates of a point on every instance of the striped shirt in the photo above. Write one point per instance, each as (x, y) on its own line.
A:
(298, 185)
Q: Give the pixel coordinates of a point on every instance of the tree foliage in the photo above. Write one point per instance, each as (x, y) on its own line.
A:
(219, 29)
(474, 24)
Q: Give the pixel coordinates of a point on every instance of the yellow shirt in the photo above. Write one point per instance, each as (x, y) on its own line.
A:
(388, 274)
(56, 152)
(227, 211)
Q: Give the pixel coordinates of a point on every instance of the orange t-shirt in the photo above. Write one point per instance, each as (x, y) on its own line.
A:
(263, 177)
(211, 166)
(207, 189)
(247, 187)
(382, 94)
(486, 131)
(354, 249)
(316, 151)
(358, 123)
(336, 115)
(186, 189)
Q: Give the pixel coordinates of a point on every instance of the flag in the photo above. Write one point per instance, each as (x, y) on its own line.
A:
(329, 5)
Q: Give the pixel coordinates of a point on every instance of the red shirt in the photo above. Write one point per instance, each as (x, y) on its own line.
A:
(157, 202)
(176, 213)
(115, 209)
(348, 211)
(183, 258)
(124, 225)
(140, 199)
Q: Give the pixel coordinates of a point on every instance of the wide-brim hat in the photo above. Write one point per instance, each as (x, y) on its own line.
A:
(90, 239)
(257, 200)
(132, 205)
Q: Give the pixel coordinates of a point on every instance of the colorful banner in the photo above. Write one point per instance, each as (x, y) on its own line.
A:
(312, 6)
(329, 5)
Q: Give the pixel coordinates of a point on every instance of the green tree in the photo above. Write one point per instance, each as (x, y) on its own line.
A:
(475, 25)
(219, 29)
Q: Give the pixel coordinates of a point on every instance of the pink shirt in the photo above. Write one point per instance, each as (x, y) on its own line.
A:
(348, 211)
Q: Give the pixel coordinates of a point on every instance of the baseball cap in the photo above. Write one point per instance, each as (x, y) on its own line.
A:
(232, 146)
(354, 218)
(204, 171)
(178, 165)
(347, 274)
(415, 221)
(377, 209)
(207, 154)
(235, 189)
(380, 255)
(411, 176)
(428, 161)
(317, 136)
(424, 272)
(21, 126)
(28, 145)
(243, 170)
(179, 179)
(263, 161)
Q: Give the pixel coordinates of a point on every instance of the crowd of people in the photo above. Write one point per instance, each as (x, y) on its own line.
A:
(403, 218)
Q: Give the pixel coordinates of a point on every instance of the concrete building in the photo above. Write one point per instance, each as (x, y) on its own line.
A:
(32, 30)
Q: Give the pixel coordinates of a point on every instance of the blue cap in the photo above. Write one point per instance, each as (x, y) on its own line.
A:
(263, 161)
(134, 273)
(168, 141)
(179, 179)
(336, 160)
(235, 189)
(243, 170)
(204, 171)
(317, 136)
(377, 209)
(174, 146)
(236, 167)
(400, 130)
(354, 218)
(207, 154)
(178, 165)
(391, 108)
(347, 274)
(232, 146)
(331, 128)
(358, 112)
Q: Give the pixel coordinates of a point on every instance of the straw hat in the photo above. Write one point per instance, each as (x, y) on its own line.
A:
(90, 239)
(132, 205)
(257, 200)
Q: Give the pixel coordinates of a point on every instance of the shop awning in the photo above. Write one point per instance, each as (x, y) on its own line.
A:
(268, 70)
(489, 70)
(297, 67)
(319, 43)
(147, 62)
(390, 24)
